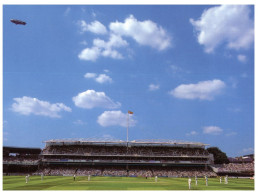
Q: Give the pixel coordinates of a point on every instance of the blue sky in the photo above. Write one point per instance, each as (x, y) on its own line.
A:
(185, 71)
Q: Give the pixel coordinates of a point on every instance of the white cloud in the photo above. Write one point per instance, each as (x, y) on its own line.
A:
(192, 133)
(90, 99)
(112, 53)
(226, 24)
(101, 78)
(153, 87)
(114, 41)
(28, 105)
(90, 54)
(143, 32)
(241, 58)
(115, 118)
(90, 75)
(213, 130)
(204, 90)
(105, 49)
(94, 27)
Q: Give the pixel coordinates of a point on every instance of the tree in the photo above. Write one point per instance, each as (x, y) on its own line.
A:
(219, 156)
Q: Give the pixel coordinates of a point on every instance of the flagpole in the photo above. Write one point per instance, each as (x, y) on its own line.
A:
(127, 128)
(129, 112)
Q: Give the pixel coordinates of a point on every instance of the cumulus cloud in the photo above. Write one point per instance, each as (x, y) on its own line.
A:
(101, 78)
(90, 99)
(28, 105)
(153, 87)
(104, 48)
(90, 75)
(143, 32)
(212, 130)
(94, 27)
(241, 58)
(226, 24)
(115, 118)
(90, 54)
(204, 90)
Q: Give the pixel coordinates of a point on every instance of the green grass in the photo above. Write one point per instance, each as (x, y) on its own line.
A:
(121, 183)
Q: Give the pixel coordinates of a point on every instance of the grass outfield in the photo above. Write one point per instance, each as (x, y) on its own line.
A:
(121, 183)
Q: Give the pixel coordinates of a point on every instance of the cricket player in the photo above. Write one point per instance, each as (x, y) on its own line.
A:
(226, 179)
(196, 180)
(220, 179)
(26, 178)
(42, 175)
(206, 180)
(189, 182)
(155, 178)
(89, 177)
(74, 177)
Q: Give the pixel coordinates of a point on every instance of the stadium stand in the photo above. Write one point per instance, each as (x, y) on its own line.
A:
(138, 158)
(144, 158)
(20, 160)
(235, 169)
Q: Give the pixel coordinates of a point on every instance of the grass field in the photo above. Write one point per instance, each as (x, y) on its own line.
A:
(121, 183)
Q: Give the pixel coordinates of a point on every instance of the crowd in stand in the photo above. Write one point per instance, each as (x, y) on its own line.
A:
(122, 159)
(115, 150)
(89, 171)
(184, 172)
(114, 171)
(21, 159)
(136, 171)
(236, 167)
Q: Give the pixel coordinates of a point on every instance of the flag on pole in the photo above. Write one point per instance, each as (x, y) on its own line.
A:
(130, 112)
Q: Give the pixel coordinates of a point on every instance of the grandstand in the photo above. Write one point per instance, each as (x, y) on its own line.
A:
(106, 157)
(18, 160)
(144, 158)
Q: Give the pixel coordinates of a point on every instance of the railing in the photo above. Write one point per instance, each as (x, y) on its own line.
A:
(20, 163)
(125, 161)
(127, 155)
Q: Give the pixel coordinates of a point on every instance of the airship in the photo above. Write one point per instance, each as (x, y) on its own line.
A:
(18, 22)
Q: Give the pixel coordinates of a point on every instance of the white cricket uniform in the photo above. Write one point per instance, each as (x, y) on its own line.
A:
(226, 180)
(189, 183)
